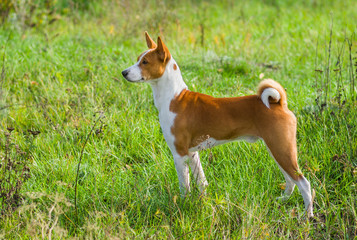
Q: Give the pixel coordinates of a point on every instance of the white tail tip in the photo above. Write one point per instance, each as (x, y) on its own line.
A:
(269, 92)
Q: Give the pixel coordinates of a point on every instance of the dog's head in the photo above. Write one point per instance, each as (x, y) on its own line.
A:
(151, 64)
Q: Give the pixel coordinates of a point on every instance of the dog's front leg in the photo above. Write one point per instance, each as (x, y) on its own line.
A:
(197, 171)
(182, 174)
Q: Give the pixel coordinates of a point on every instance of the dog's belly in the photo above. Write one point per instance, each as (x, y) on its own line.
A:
(211, 142)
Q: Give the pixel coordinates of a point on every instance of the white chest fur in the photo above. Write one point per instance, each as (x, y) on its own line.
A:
(164, 90)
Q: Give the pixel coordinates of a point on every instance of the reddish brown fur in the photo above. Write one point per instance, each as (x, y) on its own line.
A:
(151, 44)
(153, 64)
(200, 115)
(269, 83)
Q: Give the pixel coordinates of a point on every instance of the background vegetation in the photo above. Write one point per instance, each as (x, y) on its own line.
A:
(63, 102)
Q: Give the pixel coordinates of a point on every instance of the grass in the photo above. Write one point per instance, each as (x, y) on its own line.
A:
(59, 78)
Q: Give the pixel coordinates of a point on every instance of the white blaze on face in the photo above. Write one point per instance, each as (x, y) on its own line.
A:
(133, 73)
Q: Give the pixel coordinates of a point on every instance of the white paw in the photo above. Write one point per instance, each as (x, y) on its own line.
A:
(309, 213)
(282, 198)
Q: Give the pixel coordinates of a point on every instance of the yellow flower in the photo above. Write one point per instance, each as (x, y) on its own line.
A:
(111, 29)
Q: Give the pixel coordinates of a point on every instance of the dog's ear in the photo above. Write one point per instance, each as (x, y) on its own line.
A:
(151, 44)
(163, 51)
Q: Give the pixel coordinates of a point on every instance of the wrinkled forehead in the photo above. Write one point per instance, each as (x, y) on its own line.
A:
(147, 53)
(142, 54)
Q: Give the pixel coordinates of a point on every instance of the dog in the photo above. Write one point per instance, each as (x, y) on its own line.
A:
(192, 121)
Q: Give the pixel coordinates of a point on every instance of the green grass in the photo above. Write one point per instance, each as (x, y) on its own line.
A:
(60, 77)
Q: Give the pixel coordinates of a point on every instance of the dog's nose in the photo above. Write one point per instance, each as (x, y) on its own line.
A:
(125, 73)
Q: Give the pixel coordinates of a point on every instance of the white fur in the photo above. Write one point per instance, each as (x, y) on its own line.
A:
(197, 171)
(211, 142)
(305, 190)
(165, 88)
(303, 185)
(134, 72)
(269, 92)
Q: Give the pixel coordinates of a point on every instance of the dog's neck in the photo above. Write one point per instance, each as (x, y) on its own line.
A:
(169, 85)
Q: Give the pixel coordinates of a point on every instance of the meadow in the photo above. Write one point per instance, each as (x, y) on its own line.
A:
(82, 153)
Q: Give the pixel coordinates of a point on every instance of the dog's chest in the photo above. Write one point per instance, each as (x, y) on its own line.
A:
(167, 119)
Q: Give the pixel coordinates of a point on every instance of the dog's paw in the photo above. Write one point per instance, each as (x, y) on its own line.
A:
(282, 198)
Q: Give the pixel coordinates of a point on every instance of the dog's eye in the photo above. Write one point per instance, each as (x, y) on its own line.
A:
(144, 62)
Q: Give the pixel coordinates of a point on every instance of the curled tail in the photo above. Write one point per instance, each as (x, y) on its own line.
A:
(271, 91)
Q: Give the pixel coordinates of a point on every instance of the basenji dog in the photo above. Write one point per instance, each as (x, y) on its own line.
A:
(192, 121)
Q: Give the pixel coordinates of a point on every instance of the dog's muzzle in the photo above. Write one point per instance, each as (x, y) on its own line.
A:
(125, 73)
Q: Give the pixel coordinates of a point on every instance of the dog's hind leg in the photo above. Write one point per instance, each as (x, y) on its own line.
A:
(281, 141)
(197, 171)
(289, 187)
(287, 161)
(305, 190)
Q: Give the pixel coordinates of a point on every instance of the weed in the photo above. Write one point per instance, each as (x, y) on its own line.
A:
(336, 88)
(54, 74)
(45, 211)
(99, 119)
(14, 171)
(5, 8)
